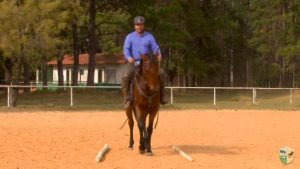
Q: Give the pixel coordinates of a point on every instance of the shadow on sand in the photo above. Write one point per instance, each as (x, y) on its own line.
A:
(207, 149)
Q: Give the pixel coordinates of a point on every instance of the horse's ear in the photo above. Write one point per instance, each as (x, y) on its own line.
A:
(141, 55)
(156, 56)
(144, 57)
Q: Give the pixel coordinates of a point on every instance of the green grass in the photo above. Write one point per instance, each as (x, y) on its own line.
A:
(101, 99)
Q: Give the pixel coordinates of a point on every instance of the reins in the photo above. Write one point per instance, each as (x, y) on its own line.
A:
(149, 98)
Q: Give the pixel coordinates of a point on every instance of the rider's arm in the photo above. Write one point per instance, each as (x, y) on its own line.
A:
(127, 49)
(155, 48)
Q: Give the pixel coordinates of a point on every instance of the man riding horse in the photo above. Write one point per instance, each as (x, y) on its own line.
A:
(136, 44)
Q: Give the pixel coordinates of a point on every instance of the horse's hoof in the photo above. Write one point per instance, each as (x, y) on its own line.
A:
(149, 154)
(130, 148)
(142, 148)
(142, 151)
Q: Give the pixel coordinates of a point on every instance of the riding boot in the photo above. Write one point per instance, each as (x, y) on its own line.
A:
(163, 98)
(126, 91)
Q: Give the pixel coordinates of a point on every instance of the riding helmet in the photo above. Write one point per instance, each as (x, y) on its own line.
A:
(139, 20)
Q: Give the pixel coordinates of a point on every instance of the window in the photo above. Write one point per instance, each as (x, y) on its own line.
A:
(81, 72)
(110, 76)
(100, 75)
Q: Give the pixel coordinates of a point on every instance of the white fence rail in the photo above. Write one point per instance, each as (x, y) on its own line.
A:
(254, 90)
(214, 89)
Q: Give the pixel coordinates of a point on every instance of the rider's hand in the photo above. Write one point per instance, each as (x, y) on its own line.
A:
(130, 60)
(159, 58)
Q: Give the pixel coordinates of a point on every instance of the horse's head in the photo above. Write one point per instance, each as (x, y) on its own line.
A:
(149, 69)
(149, 64)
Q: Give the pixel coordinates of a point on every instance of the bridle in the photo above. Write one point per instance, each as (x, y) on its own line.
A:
(148, 97)
(142, 93)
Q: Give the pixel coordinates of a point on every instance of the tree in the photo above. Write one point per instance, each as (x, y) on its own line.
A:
(275, 37)
(14, 42)
(30, 35)
(105, 27)
(92, 42)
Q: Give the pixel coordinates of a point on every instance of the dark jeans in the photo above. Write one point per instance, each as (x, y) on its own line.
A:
(129, 70)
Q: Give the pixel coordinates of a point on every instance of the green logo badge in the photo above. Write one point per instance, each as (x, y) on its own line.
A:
(286, 155)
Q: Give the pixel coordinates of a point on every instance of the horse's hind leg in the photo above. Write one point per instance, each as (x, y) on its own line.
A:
(131, 124)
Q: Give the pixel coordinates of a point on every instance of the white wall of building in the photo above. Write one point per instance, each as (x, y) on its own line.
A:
(70, 76)
(120, 72)
(117, 71)
(83, 77)
(96, 76)
(55, 75)
(65, 75)
(103, 76)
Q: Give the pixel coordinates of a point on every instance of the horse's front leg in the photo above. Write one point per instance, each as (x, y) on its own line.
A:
(131, 124)
(141, 119)
(149, 134)
(142, 130)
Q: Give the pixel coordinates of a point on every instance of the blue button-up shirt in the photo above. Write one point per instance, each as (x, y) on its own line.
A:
(136, 44)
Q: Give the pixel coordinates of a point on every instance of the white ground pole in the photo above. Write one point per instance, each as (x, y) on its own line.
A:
(101, 153)
(71, 95)
(183, 154)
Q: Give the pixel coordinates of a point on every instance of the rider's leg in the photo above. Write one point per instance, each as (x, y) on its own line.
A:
(126, 81)
(163, 98)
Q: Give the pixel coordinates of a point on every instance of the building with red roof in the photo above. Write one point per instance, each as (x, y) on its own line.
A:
(109, 68)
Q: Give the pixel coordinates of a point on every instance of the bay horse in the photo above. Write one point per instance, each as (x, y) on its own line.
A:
(145, 101)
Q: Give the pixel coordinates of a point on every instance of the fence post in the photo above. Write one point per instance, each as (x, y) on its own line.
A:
(254, 96)
(8, 96)
(215, 103)
(171, 95)
(291, 96)
(71, 96)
